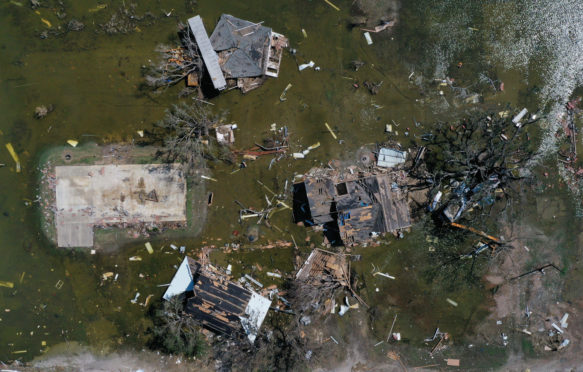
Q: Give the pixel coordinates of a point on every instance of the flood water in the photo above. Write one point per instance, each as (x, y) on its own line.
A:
(93, 78)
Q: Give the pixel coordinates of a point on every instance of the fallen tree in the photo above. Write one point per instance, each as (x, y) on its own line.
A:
(470, 162)
(175, 332)
(184, 131)
(174, 64)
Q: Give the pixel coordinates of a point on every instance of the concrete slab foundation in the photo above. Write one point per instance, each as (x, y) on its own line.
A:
(101, 195)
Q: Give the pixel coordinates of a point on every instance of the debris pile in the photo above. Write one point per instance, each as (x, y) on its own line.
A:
(353, 206)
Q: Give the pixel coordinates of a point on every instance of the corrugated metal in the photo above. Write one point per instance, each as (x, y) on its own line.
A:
(389, 158)
(211, 60)
(181, 282)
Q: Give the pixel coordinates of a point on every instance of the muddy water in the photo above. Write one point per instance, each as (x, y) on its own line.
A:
(92, 80)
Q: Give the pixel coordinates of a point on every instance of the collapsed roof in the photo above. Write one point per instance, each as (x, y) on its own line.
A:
(217, 303)
(323, 263)
(358, 207)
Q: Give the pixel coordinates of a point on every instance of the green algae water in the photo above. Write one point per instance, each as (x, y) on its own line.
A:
(93, 80)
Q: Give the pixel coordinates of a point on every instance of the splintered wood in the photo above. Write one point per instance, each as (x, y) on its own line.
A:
(324, 266)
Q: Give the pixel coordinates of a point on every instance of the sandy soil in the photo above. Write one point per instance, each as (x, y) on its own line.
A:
(74, 357)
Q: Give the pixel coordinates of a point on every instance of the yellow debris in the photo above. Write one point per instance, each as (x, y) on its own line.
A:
(304, 33)
(6, 284)
(73, 142)
(43, 343)
(141, 133)
(332, 5)
(331, 131)
(106, 275)
(148, 300)
(14, 156)
(19, 351)
(149, 248)
(98, 8)
(49, 25)
(314, 146)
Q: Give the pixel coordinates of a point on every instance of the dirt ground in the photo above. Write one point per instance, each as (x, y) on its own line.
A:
(539, 294)
(74, 357)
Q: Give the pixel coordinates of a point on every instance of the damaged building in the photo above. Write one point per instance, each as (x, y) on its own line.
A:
(352, 208)
(322, 265)
(247, 53)
(217, 303)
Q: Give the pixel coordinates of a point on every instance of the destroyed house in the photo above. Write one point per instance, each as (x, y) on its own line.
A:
(322, 263)
(353, 210)
(217, 303)
(247, 52)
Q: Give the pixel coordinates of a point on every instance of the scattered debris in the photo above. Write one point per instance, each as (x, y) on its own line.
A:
(451, 302)
(373, 87)
(282, 95)
(564, 323)
(14, 156)
(6, 284)
(481, 233)
(254, 281)
(42, 111)
(390, 158)
(384, 274)
(368, 38)
(225, 134)
(392, 326)
(379, 28)
(453, 362)
(330, 130)
(356, 64)
(516, 120)
(306, 65)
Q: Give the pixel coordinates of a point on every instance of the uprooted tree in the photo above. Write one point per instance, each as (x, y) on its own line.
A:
(175, 332)
(175, 63)
(184, 131)
(467, 162)
(280, 346)
(468, 165)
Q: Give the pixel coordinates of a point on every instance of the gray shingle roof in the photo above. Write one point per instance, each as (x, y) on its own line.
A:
(248, 42)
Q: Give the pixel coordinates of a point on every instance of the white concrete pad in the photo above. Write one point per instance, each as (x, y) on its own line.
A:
(116, 194)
